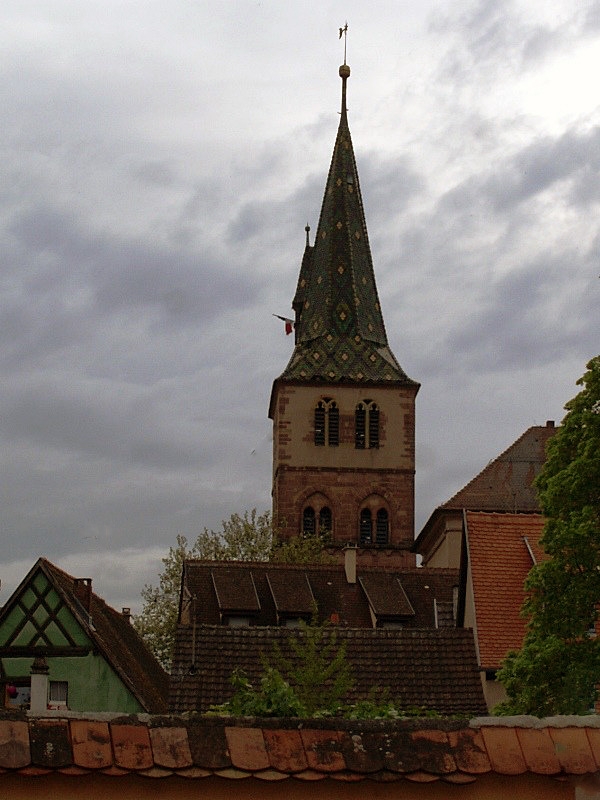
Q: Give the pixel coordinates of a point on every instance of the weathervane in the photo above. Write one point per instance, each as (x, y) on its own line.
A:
(344, 33)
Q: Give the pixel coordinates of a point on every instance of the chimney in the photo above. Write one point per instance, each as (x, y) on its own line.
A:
(38, 703)
(126, 612)
(350, 564)
(549, 423)
(82, 589)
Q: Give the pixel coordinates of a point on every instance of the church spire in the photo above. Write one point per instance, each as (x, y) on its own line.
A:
(340, 333)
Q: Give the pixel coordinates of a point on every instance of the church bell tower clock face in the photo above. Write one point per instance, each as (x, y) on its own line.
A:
(343, 409)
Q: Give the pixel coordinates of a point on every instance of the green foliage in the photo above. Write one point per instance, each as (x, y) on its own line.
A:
(311, 683)
(242, 538)
(309, 549)
(247, 537)
(274, 698)
(557, 671)
(319, 672)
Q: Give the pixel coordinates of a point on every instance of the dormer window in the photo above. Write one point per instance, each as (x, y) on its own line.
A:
(366, 425)
(327, 423)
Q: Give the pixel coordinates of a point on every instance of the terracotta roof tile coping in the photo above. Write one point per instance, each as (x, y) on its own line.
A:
(418, 750)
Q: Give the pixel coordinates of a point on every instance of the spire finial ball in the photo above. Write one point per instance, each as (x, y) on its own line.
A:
(344, 71)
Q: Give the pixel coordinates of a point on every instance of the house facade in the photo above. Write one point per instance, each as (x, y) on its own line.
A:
(57, 633)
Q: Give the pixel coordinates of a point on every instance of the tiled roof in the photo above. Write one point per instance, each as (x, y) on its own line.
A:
(283, 589)
(500, 555)
(506, 484)
(426, 668)
(417, 751)
(114, 636)
(340, 334)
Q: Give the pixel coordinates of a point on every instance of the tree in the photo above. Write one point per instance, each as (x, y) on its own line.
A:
(311, 680)
(557, 671)
(247, 537)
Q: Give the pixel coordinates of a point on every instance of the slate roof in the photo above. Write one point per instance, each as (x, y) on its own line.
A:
(506, 483)
(284, 590)
(416, 751)
(434, 669)
(112, 634)
(502, 550)
(340, 334)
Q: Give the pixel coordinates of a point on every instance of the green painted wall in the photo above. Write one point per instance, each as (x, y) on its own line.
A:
(93, 685)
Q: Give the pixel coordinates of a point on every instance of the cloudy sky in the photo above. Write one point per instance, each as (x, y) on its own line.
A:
(159, 163)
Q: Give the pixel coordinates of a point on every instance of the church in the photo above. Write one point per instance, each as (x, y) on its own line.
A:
(343, 409)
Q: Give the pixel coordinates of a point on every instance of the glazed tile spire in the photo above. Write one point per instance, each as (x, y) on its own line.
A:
(340, 333)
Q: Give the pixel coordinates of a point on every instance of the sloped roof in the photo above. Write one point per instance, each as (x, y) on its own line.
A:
(506, 483)
(502, 550)
(384, 751)
(340, 334)
(111, 633)
(286, 589)
(434, 669)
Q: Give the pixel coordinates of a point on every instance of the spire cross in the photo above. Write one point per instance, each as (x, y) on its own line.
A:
(344, 33)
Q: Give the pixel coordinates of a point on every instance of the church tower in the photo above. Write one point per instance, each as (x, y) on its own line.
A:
(343, 409)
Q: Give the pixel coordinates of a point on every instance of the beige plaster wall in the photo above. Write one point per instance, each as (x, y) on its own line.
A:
(293, 428)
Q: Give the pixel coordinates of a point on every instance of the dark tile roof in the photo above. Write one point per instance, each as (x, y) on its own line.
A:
(287, 590)
(340, 333)
(506, 483)
(502, 550)
(425, 668)
(417, 751)
(113, 635)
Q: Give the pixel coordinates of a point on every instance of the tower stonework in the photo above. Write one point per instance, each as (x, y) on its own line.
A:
(343, 409)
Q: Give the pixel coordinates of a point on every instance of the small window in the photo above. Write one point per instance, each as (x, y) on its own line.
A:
(17, 695)
(360, 417)
(381, 527)
(235, 621)
(308, 521)
(365, 526)
(58, 692)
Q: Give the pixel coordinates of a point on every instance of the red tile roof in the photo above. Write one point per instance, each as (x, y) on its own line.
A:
(419, 751)
(499, 556)
(430, 668)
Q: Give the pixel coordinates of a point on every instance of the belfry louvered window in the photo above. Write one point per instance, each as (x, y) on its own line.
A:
(366, 425)
(382, 527)
(320, 424)
(360, 422)
(327, 423)
(373, 425)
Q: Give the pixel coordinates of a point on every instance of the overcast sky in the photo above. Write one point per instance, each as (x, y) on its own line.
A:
(159, 163)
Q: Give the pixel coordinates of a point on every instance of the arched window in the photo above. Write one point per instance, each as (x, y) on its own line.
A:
(327, 423)
(373, 425)
(360, 428)
(320, 424)
(325, 521)
(365, 526)
(366, 425)
(308, 521)
(333, 426)
(382, 527)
